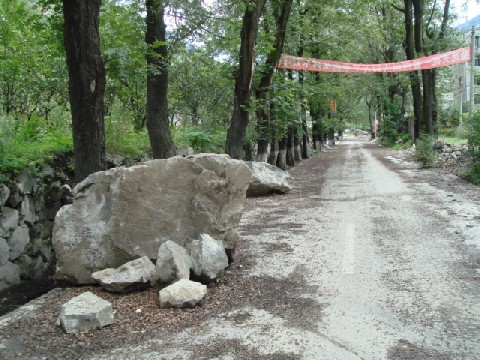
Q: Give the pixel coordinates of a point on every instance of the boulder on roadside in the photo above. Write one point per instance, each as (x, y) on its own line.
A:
(85, 312)
(134, 275)
(123, 213)
(182, 294)
(268, 179)
(173, 262)
(208, 258)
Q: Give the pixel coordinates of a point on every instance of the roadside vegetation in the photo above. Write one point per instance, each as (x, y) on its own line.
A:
(197, 61)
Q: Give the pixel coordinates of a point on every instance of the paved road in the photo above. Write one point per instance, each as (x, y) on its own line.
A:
(368, 258)
(365, 263)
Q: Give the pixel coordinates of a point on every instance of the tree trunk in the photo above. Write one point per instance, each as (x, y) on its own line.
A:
(427, 126)
(157, 82)
(86, 85)
(272, 158)
(262, 151)
(414, 77)
(290, 147)
(282, 153)
(264, 87)
(297, 146)
(243, 84)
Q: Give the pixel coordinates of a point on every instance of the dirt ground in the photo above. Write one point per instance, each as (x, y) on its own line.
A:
(285, 289)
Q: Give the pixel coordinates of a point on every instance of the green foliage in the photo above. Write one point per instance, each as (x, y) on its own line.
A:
(199, 139)
(31, 143)
(121, 135)
(473, 172)
(424, 152)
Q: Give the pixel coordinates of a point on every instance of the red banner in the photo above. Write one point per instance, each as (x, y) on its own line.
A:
(434, 61)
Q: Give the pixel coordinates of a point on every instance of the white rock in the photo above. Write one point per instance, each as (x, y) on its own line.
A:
(85, 312)
(183, 293)
(268, 179)
(208, 257)
(8, 220)
(173, 262)
(131, 276)
(18, 240)
(124, 213)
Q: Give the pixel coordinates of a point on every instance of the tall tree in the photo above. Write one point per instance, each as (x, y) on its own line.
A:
(243, 82)
(157, 82)
(281, 10)
(87, 84)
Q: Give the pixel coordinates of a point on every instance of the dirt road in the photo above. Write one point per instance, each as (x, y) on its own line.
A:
(368, 258)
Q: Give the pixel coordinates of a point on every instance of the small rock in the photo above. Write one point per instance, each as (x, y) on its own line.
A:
(4, 251)
(9, 275)
(4, 194)
(85, 312)
(131, 276)
(18, 240)
(173, 262)
(183, 293)
(8, 220)
(268, 179)
(208, 257)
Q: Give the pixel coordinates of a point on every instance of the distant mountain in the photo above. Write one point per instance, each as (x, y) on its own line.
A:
(468, 25)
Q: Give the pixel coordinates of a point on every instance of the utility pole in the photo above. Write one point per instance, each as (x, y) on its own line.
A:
(472, 72)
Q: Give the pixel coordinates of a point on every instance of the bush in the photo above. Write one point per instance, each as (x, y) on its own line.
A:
(200, 140)
(29, 143)
(424, 152)
(473, 172)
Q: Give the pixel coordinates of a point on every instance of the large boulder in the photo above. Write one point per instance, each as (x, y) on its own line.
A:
(85, 312)
(135, 274)
(268, 179)
(183, 293)
(208, 258)
(173, 262)
(125, 213)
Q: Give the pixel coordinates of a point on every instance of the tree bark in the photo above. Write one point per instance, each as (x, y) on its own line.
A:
(86, 85)
(297, 145)
(157, 82)
(272, 157)
(290, 146)
(282, 153)
(264, 88)
(243, 84)
(414, 76)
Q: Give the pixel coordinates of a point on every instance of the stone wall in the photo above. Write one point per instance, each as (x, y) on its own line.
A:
(28, 206)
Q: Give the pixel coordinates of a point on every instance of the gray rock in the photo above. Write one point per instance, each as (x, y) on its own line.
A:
(9, 275)
(4, 194)
(267, 179)
(131, 276)
(17, 241)
(185, 152)
(123, 213)
(173, 262)
(8, 221)
(27, 211)
(4, 251)
(183, 293)
(208, 257)
(85, 312)
(26, 183)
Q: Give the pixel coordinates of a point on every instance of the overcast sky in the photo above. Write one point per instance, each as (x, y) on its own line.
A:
(472, 10)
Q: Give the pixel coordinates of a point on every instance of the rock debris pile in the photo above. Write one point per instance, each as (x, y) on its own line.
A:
(166, 223)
